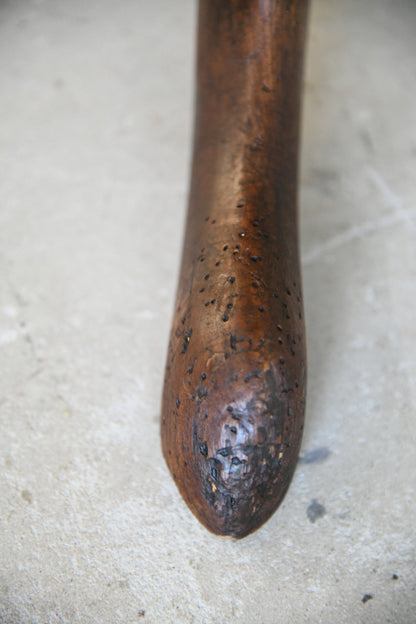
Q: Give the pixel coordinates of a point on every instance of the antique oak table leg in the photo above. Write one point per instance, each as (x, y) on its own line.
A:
(234, 393)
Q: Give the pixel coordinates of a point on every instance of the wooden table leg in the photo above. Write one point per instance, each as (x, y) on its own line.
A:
(233, 402)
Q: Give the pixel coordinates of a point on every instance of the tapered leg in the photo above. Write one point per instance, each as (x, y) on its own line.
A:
(234, 393)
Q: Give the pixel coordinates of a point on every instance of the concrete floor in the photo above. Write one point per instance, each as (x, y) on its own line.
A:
(95, 131)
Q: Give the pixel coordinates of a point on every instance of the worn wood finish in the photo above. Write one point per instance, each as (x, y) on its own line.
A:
(233, 402)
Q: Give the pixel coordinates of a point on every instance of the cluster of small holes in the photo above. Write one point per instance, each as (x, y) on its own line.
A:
(256, 283)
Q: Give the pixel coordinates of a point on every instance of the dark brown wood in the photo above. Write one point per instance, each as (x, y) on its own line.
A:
(233, 402)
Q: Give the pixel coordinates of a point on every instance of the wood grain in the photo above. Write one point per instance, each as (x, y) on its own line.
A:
(234, 393)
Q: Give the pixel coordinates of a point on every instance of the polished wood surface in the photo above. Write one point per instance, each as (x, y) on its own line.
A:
(234, 393)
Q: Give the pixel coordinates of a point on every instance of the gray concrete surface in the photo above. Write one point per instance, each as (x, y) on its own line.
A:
(95, 130)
